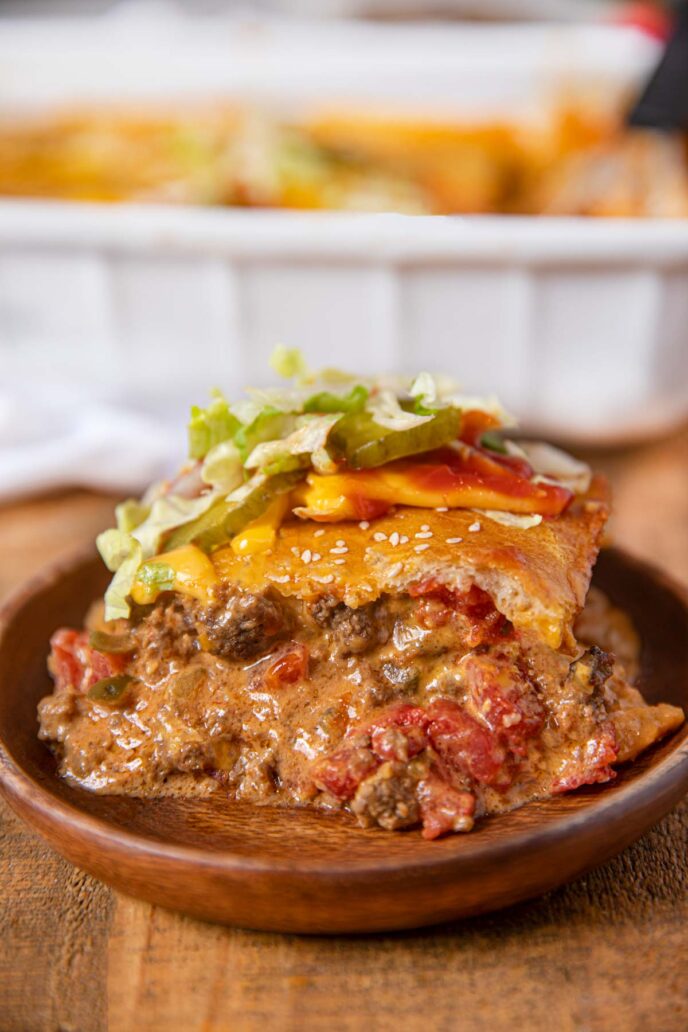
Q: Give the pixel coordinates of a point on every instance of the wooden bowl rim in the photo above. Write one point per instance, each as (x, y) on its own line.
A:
(22, 786)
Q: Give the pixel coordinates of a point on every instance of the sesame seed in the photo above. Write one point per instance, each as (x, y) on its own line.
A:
(340, 543)
(319, 533)
(396, 569)
(339, 562)
(394, 539)
(295, 551)
(424, 526)
(454, 541)
(282, 580)
(341, 550)
(379, 536)
(424, 534)
(403, 539)
(327, 579)
(441, 508)
(474, 527)
(316, 556)
(306, 555)
(420, 548)
(364, 524)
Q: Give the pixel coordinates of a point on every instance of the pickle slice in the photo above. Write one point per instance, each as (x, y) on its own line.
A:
(114, 644)
(363, 443)
(110, 690)
(226, 519)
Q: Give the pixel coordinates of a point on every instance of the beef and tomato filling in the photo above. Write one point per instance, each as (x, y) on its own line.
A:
(425, 708)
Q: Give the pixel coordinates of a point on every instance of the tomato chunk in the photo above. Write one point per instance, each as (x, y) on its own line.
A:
(73, 662)
(400, 733)
(343, 771)
(443, 808)
(504, 701)
(486, 625)
(465, 747)
(590, 765)
(289, 667)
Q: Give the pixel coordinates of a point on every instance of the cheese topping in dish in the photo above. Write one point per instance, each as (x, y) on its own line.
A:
(358, 594)
(579, 162)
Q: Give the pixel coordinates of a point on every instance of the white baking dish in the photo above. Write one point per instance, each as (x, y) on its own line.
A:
(580, 325)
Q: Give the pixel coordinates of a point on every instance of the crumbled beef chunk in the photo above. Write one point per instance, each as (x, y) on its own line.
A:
(354, 630)
(388, 798)
(169, 629)
(244, 625)
(592, 669)
(602, 666)
(324, 608)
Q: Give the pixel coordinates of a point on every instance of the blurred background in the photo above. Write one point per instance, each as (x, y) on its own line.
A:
(387, 184)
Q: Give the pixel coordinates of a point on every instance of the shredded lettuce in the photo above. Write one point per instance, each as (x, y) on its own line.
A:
(552, 465)
(387, 411)
(326, 401)
(122, 555)
(157, 575)
(124, 551)
(210, 426)
(223, 468)
(271, 424)
(168, 513)
(288, 363)
(425, 394)
(130, 514)
(295, 451)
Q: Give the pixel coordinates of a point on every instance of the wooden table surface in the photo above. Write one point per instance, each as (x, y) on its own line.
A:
(609, 951)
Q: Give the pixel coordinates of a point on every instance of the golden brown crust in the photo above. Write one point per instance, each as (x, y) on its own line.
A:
(537, 577)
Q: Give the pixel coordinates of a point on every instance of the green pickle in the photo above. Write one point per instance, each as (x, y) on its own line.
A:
(363, 443)
(112, 643)
(110, 690)
(227, 519)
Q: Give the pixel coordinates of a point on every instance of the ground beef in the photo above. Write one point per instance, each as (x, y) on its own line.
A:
(602, 666)
(388, 798)
(168, 630)
(354, 630)
(243, 626)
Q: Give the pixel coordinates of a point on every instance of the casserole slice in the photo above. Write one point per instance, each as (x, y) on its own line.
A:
(380, 617)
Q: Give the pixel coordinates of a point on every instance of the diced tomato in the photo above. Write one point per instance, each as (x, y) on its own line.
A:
(404, 714)
(393, 743)
(590, 766)
(444, 808)
(465, 747)
(73, 661)
(65, 666)
(343, 771)
(503, 700)
(432, 613)
(289, 667)
(400, 733)
(486, 624)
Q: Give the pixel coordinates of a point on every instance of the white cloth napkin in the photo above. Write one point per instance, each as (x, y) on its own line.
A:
(58, 437)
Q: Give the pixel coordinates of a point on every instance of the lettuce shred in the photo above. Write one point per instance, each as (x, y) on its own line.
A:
(210, 426)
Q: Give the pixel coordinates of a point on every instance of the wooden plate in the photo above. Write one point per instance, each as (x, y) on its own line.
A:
(310, 872)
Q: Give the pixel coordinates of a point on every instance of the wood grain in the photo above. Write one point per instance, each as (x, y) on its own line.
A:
(609, 950)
